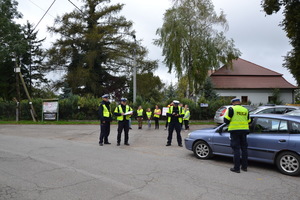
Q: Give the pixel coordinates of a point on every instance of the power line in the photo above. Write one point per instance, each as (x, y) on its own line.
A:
(40, 8)
(76, 6)
(44, 15)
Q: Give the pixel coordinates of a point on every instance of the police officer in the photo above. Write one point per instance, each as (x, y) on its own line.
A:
(105, 119)
(123, 113)
(238, 119)
(175, 114)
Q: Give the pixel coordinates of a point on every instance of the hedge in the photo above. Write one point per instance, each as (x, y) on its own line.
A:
(86, 108)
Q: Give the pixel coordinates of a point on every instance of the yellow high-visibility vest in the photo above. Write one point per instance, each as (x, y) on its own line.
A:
(181, 112)
(140, 112)
(156, 111)
(120, 110)
(106, 112)
(149, 114)
(187, 115)
(239, 120)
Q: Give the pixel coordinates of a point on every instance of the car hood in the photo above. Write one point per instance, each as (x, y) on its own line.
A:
(203, 131)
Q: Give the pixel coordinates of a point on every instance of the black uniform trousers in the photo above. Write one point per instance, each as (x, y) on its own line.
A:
(177, 126)
(156, 119)
(238, 143)
(186, 124)
(123, 125)
(104, 132)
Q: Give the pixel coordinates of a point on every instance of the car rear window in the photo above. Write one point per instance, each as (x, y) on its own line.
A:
(221, 109)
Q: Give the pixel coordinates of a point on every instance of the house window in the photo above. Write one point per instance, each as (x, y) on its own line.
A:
(244, 99)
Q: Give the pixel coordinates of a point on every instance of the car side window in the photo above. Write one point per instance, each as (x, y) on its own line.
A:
(283, 127)
(265, 125)
(262, 125)
(295, 127)
(269, 110)
(280, 110)
(289, 110)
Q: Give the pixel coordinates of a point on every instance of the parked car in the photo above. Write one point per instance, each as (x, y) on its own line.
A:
(294, 112)
(272, 139)
(274, 109)
(219, 116)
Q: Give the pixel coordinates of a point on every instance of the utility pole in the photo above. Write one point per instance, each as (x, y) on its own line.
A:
(32, 111)
(134, 71)
(18, 97)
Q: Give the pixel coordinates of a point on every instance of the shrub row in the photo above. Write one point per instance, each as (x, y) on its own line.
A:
(86, 108)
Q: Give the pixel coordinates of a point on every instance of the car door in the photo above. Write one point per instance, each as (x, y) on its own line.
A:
(221, 141)
(267, 136)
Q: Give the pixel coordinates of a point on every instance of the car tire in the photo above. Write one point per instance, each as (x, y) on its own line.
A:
(202, 150)
(288, 163)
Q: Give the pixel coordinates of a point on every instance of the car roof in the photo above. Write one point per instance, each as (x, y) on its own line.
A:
(278, 116)
(278, 106)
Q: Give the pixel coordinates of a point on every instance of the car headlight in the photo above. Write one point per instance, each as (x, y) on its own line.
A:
(189, 135)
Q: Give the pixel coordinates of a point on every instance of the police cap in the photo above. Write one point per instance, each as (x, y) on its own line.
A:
(123, 99)
(176, 102)
(105, 96)
(235, 99)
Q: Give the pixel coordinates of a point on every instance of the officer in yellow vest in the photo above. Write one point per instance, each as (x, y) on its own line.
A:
(175, 114)
(237, 118)
(105, 119)
(123, 113)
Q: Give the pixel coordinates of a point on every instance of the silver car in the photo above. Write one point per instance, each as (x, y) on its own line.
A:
(274, 109)
(219, 116)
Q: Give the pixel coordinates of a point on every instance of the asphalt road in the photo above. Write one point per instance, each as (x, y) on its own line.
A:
(54, 162)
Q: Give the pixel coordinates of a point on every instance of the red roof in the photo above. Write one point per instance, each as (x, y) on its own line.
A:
(245, 74)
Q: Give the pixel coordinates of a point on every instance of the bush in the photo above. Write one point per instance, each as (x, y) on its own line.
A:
(86, 108)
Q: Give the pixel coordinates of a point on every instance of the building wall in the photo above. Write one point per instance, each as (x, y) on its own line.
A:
(257, 97)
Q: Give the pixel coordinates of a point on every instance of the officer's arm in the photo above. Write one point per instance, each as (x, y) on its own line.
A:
(116, 113)
(100, 112)
(229, 114)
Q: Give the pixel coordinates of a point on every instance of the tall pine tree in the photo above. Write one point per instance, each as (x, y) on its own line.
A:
(97, 49)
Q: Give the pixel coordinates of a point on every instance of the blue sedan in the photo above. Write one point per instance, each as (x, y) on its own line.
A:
(272, 139)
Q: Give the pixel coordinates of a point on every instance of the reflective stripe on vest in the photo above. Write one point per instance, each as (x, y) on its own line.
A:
(170, 111)
(239, 120)
(157, 111)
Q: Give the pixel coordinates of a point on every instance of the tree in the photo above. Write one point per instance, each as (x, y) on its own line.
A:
(149, 87)
(33, 69)
(291, 25)
(193, 41)
(208, 90)
(97, 49)
(12, 47)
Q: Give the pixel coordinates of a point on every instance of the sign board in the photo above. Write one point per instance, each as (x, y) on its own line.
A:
(203, 105)
(164, 111)
(50, 110)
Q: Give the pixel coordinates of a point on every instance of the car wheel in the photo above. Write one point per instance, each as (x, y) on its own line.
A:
(288, 163)
(202, 150)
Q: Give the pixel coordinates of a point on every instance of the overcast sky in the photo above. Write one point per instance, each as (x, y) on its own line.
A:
(256, 35)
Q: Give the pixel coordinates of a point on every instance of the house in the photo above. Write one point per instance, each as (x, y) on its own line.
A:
(251, 83)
